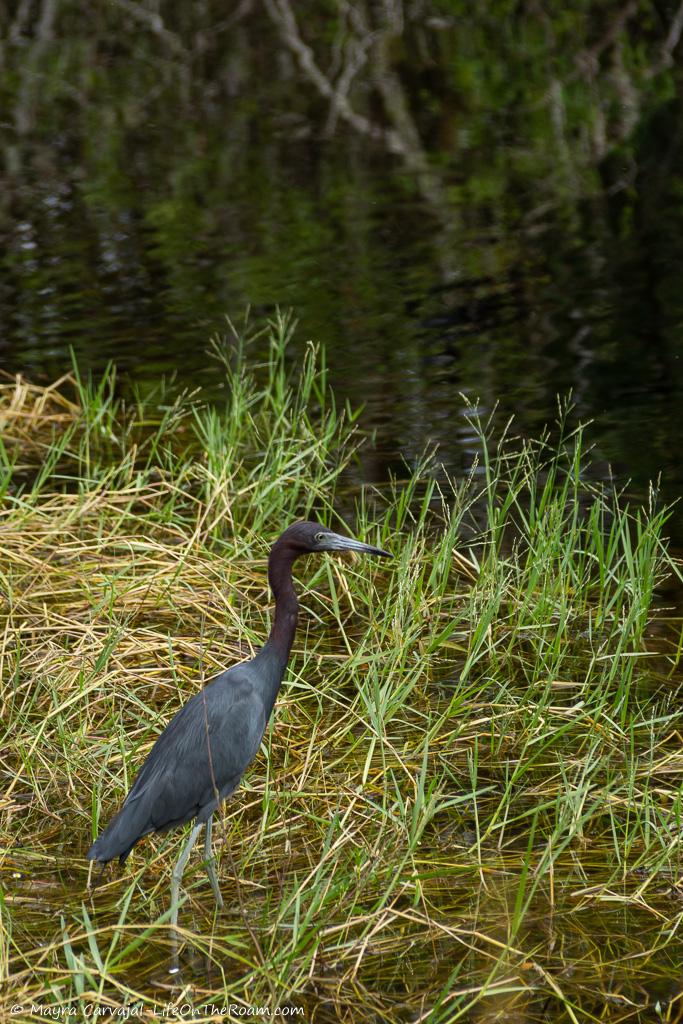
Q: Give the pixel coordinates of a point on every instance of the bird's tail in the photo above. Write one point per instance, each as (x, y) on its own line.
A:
(120, 835)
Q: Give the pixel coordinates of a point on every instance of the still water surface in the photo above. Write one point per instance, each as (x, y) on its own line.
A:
(131, 240)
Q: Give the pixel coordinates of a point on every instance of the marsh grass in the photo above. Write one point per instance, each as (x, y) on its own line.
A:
(468, 802)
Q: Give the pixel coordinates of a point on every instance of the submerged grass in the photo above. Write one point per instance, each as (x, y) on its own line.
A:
(468, 805)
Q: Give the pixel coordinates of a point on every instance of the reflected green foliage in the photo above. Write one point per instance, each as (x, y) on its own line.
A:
(455, 197)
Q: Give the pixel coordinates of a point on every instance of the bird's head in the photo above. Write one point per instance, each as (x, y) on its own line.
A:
(307, 536)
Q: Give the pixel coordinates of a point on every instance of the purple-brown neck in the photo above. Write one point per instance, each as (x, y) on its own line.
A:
(281, 636)
(268, 667)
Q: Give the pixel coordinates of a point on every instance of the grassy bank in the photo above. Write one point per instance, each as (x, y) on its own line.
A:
(468, 805)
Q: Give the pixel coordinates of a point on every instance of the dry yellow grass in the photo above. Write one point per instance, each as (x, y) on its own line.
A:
(468, 805)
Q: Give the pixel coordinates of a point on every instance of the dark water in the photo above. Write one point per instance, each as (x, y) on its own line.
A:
(153, 183)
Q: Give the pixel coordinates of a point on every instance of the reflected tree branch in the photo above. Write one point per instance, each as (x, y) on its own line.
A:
(356, 56)
(24, 113)
(588, 60)
(402, 137)
(283, 16)
(670, 43)
(21, 21)
(153, 21)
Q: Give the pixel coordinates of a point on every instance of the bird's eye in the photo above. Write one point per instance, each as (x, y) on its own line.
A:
(320, 536)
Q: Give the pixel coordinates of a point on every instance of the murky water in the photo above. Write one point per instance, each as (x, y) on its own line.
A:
(608, 951)
(132, 223)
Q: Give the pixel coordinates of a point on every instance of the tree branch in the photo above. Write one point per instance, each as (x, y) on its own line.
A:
(284, 18)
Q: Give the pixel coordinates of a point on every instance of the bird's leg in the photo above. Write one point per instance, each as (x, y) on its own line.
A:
(177, 876)
(210, 865)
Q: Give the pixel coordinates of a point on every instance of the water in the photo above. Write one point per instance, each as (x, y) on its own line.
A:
(134, 216)
(605, 950)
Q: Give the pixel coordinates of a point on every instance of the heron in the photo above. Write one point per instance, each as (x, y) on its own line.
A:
(201, 755)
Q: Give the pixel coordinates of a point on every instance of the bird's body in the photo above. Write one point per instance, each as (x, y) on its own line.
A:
(200, 757)
(173, 785)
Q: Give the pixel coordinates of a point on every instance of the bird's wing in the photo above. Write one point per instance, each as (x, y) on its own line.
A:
(199, 757)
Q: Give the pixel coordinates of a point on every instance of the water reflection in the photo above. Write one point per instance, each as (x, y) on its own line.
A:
(586, 938)
(431, 249)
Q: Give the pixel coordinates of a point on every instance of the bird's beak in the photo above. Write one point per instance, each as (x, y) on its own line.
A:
(335, 542)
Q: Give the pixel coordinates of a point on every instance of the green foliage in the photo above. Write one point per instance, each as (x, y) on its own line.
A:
(475, 739)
